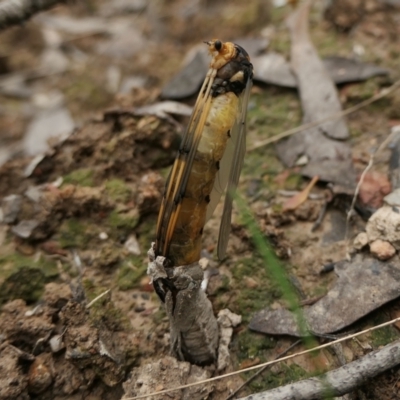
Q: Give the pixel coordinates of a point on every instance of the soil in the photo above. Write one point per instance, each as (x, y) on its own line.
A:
(79, 318)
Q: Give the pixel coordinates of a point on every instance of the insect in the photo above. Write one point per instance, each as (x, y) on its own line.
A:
(209, 159)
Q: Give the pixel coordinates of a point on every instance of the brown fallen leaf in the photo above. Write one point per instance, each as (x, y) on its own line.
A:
(374, 187)
(301, 197)
(281, 178)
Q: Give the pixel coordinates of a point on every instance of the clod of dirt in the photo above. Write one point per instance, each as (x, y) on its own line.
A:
(24, 331)
(382, 249)
(119, 145)
(165, 374)
(13, 380)
(384, 224)
(357, 279)
(227, 320)
(55, 205)
(40, 375)
(95, 342)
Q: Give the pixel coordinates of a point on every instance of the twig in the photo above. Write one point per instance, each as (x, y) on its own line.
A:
(383, 93)
(14, 12)
(339, 381)
(217, 378)
(98, 298)
(259, 372)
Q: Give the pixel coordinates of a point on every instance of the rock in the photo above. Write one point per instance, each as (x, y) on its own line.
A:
(132, 245)
(360, 241)
(382, 249)
(11, 205)
(25, 228)
(39, 375)
(227, 320)
(393, 198)
(384, 224)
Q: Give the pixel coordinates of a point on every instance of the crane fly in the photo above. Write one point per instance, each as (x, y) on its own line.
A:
(209, 159)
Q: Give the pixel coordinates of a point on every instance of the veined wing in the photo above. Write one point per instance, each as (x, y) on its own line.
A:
(234, 166)
(178, 177)
(189, 199)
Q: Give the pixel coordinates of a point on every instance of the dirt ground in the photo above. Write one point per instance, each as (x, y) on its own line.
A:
(79, 317)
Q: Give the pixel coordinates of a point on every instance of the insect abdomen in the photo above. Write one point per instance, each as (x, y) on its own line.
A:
(185, 245)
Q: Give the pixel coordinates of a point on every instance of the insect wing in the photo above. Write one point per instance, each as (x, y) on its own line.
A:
(238, 136)
(177, 180)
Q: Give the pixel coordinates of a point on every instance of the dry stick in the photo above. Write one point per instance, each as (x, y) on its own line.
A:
(262, 370)
(98, 298)
(383, 93)
(339, 381)
(216, 378)
(360, 182)
(14, 12)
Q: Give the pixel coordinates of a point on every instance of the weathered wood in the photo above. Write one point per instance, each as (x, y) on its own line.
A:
(339, 381)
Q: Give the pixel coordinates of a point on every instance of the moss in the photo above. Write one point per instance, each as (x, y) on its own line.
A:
(72, 233)
(252, 345)
(118, 190)
(365, 90)
(355, 132)
(84, 89)
(282, 375)
(274, 112)
(330, 42)
(109, 255)
(280, 43)
(22, 277)
(146, 232)
(294, 182)
(25, 283)
(9, 264)
(103, 310)
(126, 221)
(130, 272)
(80, 177)
(384, 336)
(268, 116)
(250, 299)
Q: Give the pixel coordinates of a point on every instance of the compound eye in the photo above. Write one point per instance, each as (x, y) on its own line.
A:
(218, 45)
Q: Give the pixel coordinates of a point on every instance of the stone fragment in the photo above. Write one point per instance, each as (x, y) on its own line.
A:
(382, 250)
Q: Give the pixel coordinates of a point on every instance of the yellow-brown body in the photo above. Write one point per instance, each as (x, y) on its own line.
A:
(196, 181)
(185, 245)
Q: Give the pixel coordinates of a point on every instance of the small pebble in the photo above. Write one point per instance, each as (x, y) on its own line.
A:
(382, 250)
(360, 241)
(103, 236)
(56, 343)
